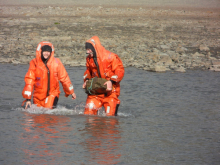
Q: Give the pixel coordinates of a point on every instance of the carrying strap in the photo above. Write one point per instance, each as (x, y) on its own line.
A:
(97, 65)
(89, 89)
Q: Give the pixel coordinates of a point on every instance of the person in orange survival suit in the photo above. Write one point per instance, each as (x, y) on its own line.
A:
(104, 64)
(44, 74)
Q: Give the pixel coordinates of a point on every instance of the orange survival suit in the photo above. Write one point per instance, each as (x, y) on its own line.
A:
(44, 78)
(108, 65)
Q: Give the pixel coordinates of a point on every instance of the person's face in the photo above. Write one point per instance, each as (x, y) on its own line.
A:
(89, 51)
(46, 54)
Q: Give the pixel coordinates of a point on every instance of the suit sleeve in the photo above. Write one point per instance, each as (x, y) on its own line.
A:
(87, 74)
(117, 69)
(29, 81)
(63, 77)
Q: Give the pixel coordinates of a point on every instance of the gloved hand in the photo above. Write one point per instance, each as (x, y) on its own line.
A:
(109, 85)
(84, 84)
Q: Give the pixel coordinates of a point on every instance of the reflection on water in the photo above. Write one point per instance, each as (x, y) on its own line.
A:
(47, 138)
(102, 140)
(45, 134)
(164, 118)
(44, 137)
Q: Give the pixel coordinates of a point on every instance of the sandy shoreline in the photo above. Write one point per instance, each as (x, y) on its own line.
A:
(149, 38)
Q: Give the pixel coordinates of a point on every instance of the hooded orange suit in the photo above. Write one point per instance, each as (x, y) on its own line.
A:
(44, 79)
(111, 68)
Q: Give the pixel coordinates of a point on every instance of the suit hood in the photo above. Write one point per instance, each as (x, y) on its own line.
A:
(100, 50)
(40, 45)
(97, 46)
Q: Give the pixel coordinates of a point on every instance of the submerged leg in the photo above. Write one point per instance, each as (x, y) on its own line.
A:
(92, 106)
(55, 102)
(110, 105)
(116, 110)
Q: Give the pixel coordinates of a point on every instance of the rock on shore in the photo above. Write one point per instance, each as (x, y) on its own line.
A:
(146, 38)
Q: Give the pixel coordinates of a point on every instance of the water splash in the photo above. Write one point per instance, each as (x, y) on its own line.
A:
(59, 110)
(66, 110)
(121, 114)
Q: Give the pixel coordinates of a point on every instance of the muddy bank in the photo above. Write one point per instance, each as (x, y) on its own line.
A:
(155, 39)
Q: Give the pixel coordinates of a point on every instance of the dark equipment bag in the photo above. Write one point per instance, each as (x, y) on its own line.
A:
(95, 86)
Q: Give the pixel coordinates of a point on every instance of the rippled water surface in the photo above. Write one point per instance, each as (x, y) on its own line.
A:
(164, 118)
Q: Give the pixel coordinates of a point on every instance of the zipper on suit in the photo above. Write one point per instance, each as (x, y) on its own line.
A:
(48, 80)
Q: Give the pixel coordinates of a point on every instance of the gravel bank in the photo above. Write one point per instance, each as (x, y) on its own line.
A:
(149, 38)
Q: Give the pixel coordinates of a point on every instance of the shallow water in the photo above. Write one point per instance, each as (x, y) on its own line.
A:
(164, 118)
